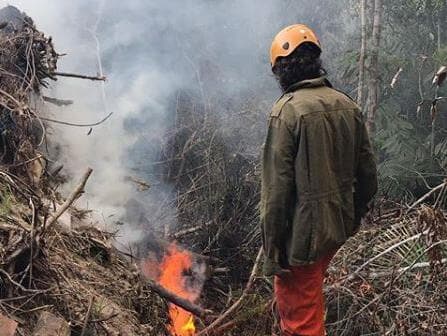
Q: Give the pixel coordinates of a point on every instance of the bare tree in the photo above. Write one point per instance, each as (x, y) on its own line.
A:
(373, 87)
(362, 54)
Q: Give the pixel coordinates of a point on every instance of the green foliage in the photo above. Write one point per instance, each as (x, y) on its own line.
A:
(407, 164)
(6, 202)
(440, 56)
(411, 158)
(440, 154)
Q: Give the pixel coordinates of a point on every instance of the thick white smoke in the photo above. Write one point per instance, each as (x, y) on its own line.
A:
(149, 50)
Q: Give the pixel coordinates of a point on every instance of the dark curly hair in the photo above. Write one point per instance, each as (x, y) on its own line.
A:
(304, 63)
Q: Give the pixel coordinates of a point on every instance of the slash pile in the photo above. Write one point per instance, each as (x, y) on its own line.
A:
(391, 278)
(77, 275)
(28, 60)
(44, 267)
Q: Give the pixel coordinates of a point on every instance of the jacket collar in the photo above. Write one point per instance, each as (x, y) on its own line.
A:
(309, 83)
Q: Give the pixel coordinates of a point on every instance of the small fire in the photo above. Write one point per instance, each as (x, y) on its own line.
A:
(189, 326)
(173, 270)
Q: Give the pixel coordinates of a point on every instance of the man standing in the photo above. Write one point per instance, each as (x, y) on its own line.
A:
(319, 175)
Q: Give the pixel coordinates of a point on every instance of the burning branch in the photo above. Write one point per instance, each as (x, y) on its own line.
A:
(179, 278)
(178, 301)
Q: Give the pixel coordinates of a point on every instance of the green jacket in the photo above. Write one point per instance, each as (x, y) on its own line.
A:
(319, 174)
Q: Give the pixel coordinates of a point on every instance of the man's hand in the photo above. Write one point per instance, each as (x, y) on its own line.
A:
(272, 268)
(283, 272)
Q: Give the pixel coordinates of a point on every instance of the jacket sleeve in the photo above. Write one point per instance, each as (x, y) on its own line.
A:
(277, 192)
(366, 174)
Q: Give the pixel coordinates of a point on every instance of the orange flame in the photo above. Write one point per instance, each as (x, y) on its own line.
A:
(172, 270)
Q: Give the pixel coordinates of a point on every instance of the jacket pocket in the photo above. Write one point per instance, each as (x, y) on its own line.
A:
(335, 223)
(301, 239)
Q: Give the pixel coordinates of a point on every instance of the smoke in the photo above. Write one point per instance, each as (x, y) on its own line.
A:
(148, 50)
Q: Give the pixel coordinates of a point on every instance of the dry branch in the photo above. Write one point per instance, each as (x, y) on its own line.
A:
(77, 124)
(87, 316)
(238, 303)
(403, 269)
(11, 280)
(73, 75)
(57, 102)
(427, 195)
(188, 231)
(391, 248)
(70, 200)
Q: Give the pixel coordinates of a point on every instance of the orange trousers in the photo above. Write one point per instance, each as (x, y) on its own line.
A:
(300, 300)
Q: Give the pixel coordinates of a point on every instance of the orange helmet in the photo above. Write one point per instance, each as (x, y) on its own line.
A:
(289, 39)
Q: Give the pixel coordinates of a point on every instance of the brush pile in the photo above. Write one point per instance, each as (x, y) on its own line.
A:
(45, 267)
(28, 60)
(76, 275)
(391, 278)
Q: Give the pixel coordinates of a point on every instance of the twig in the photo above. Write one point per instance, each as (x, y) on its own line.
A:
(72, 75)
(33, 225)
(188, 231)
(37, 309)
(104, 319)
(404, 269)
(396, 78)
(397, 277)
(57, 102)
(233, 323)
(94, 33)
(420, 85)
(40, 156)
(427, 195)
(11, 280)
(441, 196)
(237, 304)
(366, 263)
(178, 301)
(70, 200)
(87, 316)
(75, 124)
